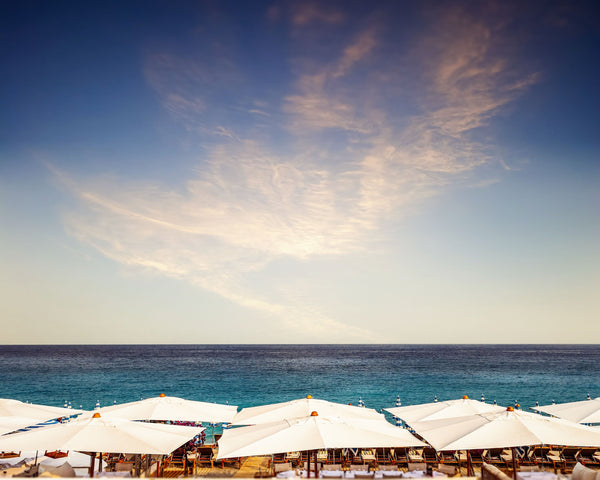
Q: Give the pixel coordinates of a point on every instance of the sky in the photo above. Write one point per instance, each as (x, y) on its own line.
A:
(299, 172)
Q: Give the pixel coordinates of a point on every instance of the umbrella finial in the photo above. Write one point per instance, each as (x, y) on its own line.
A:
(465, 397)
(96, 415)
(482, 397)
(97, 404)
(435, 398)
(162, 395)
(510, 409)
(65, 405)
(553, 402)
(309, 396)
(537, 404)
(588, 397)
(314, 414)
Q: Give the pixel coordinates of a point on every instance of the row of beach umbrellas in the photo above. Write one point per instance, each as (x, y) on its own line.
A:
(300, 425)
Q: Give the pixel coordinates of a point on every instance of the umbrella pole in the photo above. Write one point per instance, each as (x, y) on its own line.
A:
(92, 462)
(316, 465)
(469, 465)
(514, 462)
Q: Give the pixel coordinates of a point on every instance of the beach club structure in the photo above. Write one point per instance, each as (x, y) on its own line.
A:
(164, 437)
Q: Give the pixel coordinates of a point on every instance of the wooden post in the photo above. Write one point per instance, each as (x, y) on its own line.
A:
(92, 464)
(469, 464)
(514, 462)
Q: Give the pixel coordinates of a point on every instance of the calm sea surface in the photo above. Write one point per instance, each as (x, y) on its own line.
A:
(247, 375)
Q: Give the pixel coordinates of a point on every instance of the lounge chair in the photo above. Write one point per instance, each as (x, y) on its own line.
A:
(368, 456)
(415, 455)
(555, 457)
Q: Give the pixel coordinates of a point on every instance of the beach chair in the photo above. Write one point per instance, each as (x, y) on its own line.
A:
(415, 455)
(430, 456)
(205, 457)
(322, 456)
(585, 456)
(368, 456)
(557, 460)
(570, 456)
(538, 455)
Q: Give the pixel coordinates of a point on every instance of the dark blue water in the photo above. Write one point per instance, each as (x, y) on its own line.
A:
(246, 375)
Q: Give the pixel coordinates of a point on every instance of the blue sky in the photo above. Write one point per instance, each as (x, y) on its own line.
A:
(299, 172)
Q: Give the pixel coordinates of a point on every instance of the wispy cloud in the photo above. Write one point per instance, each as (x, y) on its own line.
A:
(247, 206)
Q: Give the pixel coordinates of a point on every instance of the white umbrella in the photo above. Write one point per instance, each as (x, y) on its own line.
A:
(447, 409)
(584, 411)
(11, 423)
(16, 408)
(511, 428)
(96, 434)
(302, 408)
(312, 433)
(171, 408)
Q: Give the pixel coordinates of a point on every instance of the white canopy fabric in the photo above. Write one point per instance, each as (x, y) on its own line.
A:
(503, 430)
(171, 408)
(11, 423)
(584, 411)
(446, 409)
(311, 433)
(300, 408)
(16, 408)
(102, 435)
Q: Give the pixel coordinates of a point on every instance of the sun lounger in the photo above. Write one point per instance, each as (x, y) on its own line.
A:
(415, 455)
(417, 467)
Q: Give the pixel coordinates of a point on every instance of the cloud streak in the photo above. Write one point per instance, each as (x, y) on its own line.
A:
(247, 206)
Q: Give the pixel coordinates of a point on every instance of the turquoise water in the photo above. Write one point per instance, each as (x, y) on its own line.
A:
(247, 375)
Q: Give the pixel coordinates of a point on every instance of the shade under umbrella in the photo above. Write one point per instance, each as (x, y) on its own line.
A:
(510, 428)
(446, 409)
(584, 411)
(97, 434)
(312, 433)
(302, 407)
(171, 408)
(16, 408)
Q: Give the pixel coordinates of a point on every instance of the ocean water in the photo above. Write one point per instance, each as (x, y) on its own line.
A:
(247, 375)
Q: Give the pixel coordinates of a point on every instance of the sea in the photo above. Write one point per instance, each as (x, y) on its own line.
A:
(84, 376)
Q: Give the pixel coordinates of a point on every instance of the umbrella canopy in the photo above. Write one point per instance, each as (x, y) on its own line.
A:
(585, 411)
(15, 408)
(437, 410)
(96, 434)
(312, 433)
(510, 428)
(302, 407)
(10, 424)
(171, 408)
